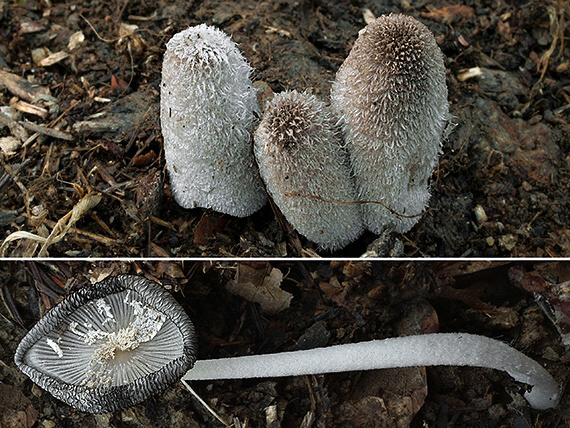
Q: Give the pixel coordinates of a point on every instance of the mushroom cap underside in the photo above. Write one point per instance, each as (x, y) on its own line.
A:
(110, 345)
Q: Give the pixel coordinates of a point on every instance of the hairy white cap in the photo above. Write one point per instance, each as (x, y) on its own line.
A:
(299, 151)
(392, 99)
(208, 109)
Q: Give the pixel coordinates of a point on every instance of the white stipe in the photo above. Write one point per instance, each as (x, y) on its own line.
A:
(442, 349)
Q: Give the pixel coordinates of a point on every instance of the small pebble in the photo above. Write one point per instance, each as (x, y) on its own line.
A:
(508, 242)
(480, 214)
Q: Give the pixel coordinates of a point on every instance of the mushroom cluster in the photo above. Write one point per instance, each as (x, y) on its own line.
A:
(389, 98)
(110, 345)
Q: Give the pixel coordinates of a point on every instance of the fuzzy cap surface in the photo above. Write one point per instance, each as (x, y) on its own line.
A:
(391, 96)
(208, 110)
(299, 151)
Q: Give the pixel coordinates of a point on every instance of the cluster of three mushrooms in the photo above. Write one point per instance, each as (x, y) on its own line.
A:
(116, 343)
(363, 163)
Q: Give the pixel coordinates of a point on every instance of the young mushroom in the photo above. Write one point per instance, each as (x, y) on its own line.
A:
(208, 109)
(439, 349)
(391, 96)
(109, 346)
(299, 151)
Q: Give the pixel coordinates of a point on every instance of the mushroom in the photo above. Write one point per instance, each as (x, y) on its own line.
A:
(391, 96)
(298, 148)
(459, 349)
(114, 344)
(208, 109)
(110, 345)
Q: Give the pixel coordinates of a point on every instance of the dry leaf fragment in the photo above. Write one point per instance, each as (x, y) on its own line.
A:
(553, 297)
(142, 160)
(207, 228)
(158, 250)
(259, 286)
(171, 269)
(449, 14)
(16, 410)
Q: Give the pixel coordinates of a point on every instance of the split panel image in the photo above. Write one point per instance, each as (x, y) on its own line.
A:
(284, 343)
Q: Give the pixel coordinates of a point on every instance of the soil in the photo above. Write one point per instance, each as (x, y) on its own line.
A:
(332, 302)
(91, 182)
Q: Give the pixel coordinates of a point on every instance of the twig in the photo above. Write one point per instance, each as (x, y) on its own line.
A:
(11, 306)
(67, 110)
(96, 33)
(94, 236)
(203, 403)
(299, 195)
(46, 131)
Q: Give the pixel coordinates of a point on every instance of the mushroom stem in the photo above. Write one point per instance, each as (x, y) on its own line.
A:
(442, 349)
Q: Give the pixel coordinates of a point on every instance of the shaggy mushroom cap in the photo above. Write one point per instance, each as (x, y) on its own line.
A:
(391, 96)
(208, 109)
(110, 345)
(298, 148)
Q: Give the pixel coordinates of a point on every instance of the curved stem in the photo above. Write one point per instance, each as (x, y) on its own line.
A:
(442, 349)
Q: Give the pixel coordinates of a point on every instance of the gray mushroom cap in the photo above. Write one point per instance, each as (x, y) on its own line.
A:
(110, 346)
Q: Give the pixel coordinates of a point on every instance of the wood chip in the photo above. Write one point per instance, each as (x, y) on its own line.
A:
(31, 27)
(53, 58)
(469, 73)
(368, 16)
(9, 145)
(283, 33)
(16, 129)
(31, 109)
(75, 40)
(39, 54)
(21, 87)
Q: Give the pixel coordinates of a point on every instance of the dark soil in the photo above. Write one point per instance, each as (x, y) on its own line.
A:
(508, 158)
(333, 302)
